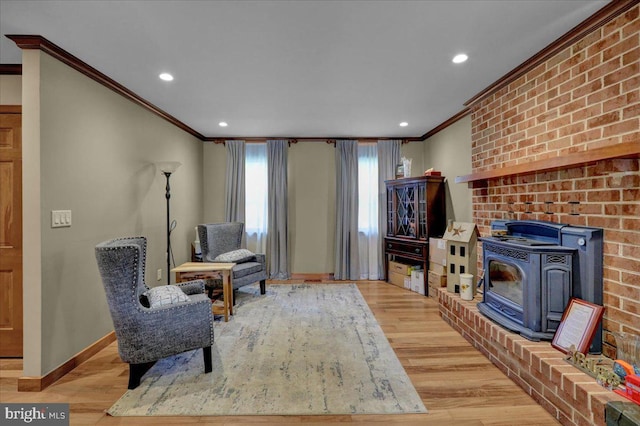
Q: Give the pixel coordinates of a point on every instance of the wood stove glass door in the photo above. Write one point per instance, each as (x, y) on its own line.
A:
(506, 280)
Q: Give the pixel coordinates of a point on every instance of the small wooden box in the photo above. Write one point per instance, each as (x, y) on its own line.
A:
(398, 268)
(397, 279)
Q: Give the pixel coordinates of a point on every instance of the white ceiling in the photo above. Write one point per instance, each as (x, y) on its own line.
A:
(299, 68)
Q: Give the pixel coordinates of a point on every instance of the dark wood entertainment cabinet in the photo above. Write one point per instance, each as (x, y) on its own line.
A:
(415, 211)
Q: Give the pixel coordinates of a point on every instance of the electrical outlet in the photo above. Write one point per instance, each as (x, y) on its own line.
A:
(159, 275)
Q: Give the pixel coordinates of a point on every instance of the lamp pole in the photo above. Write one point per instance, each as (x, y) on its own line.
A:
(168, 197)
(168, 167)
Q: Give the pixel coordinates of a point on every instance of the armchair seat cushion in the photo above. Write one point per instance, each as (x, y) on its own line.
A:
(236, 256)
(247, 268)
(165, 295)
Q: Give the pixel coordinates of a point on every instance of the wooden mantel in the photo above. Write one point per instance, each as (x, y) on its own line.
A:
(621, 150)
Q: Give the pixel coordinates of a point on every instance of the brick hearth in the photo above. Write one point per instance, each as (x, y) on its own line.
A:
(573, 397)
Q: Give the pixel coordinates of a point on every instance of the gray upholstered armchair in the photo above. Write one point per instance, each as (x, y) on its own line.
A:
(151, 324)
(220, 242)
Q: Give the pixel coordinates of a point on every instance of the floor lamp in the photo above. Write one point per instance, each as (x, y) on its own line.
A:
(168, 167)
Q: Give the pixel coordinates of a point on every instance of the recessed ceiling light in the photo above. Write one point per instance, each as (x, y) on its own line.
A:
(166, 76)
(404, 124)
(223, 124)
(460, 58)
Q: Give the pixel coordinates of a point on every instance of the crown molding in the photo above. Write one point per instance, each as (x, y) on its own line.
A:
(445, 124)
(10, 69)
(40, 43)
(595, 21)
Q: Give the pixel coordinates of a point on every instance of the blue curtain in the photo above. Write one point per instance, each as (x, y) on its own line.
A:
(234, 186)
(278, 224)
(346, 257)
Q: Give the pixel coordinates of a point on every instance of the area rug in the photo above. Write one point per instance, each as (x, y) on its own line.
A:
(301, 349)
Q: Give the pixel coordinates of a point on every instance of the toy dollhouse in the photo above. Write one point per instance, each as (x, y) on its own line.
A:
(462, 238)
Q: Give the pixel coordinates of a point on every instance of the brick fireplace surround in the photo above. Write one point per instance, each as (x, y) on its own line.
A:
(560, 141)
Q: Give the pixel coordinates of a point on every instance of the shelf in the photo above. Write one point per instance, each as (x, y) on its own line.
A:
(621, 150)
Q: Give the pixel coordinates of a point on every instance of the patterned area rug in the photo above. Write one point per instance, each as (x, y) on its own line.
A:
(301, 349)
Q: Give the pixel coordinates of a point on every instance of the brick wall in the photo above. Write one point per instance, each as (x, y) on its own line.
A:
(584, 97)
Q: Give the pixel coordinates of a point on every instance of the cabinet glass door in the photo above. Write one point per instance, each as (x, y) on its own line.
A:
(390, 215)
(405, 214)
(422, 210)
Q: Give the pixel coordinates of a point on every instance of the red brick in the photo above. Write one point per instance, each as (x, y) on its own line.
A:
(560, 100)
(631, 306)
(593, 183)
(630, 16)
(630, 29)
(622, 127)
(631, 111)
(618, 102)
(603, 119)
(603, 94)
(604, 43)
(587, 40)
(582, 137)
(602, 69)
(620, 48)
(632, 194)
(561, 186)
(603, 196)
(630, 180)
(604, 222)
(558, 402)
(621, 74)
(573, 83)
(630, 85)
(631, 56)
(545, 96)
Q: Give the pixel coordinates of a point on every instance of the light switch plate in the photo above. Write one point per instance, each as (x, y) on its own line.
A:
(60, 218)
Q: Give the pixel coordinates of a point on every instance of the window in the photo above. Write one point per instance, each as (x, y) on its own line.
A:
(461, 251)
(367, 189)
(256, 202)
(368, 240)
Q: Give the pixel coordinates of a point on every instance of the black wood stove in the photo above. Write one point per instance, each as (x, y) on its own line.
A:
(531, 271)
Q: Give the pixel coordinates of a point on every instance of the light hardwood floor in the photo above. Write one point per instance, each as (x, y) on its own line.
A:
(458, 385)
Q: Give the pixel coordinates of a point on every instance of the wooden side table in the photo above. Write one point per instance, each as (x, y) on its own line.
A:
(203, 270)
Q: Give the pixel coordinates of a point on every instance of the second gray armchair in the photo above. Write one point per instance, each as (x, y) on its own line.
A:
(221, 242)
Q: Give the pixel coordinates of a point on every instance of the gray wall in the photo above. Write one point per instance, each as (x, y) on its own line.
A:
(312, 207)
(214, 166)
(311, 199)
(450, 152)
(93, 154)
(10, 90)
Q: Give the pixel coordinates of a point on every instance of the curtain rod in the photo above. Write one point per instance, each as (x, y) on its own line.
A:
(331, 141)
